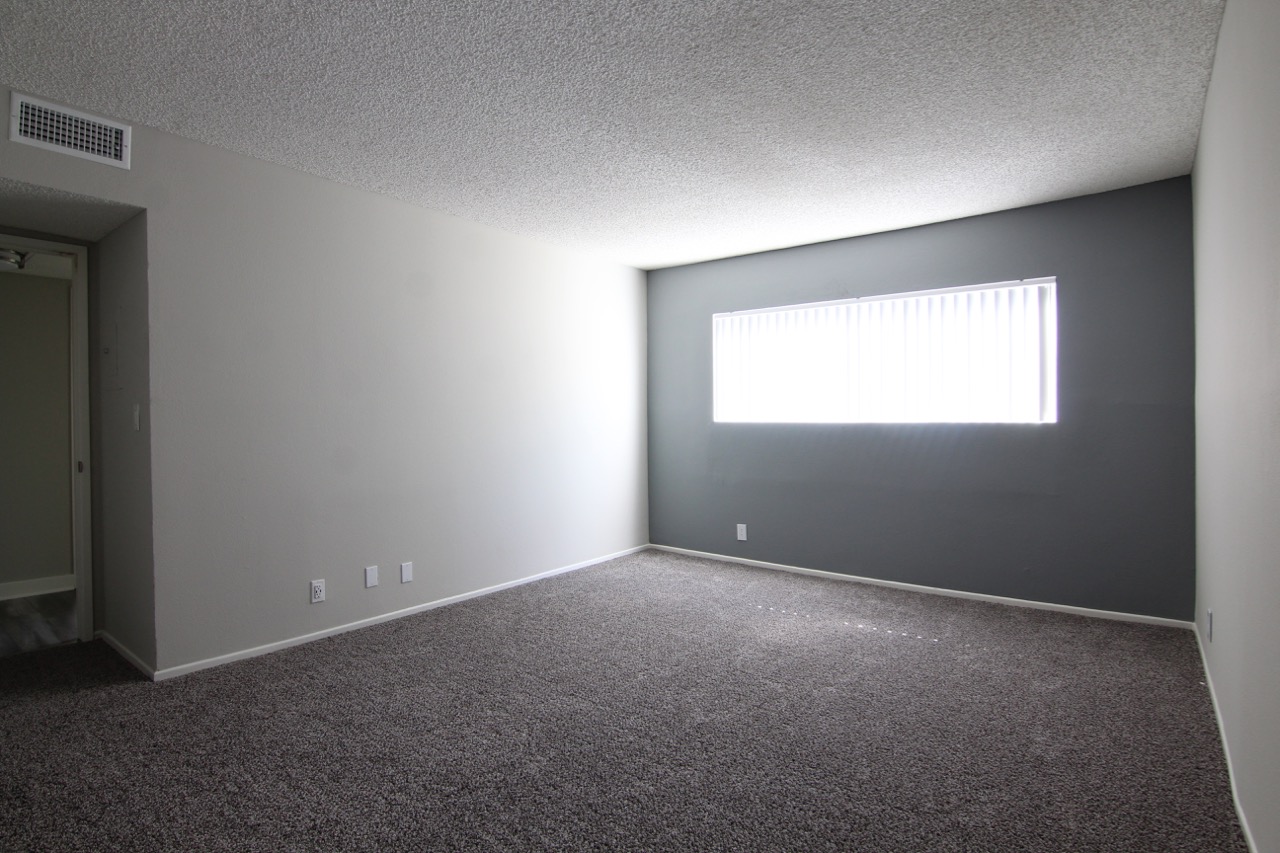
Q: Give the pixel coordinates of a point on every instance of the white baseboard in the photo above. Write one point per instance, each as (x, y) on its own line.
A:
(126, 653)
(36, 586)
(184, 669)
(933, 590)
(1222, 736)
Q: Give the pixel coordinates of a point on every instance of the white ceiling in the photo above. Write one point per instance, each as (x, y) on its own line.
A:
(654, 133)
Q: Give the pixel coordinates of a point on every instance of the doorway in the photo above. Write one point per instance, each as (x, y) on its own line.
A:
(46, 593)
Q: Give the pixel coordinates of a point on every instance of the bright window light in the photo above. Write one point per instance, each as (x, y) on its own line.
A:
(983, 354)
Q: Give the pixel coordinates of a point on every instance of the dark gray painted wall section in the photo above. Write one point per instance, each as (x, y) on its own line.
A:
(1094, 511)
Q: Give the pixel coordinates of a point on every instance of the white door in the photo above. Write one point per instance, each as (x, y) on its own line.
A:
(44, 479)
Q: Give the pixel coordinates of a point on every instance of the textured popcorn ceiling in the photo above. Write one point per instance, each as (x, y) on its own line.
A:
(653, 133)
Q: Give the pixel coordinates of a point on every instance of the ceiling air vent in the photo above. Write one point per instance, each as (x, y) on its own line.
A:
(45, 125)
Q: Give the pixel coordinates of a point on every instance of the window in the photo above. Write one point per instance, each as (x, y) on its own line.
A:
(983, 354)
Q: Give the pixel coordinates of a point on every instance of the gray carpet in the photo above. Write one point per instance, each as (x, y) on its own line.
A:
(655, 702)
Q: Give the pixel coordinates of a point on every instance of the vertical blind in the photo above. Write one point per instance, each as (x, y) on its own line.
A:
(984, 354)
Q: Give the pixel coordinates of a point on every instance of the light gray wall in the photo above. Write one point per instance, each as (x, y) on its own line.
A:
(340, 380)
(35, 429)
(1094, 511)
(1237, 221)
(124, 570)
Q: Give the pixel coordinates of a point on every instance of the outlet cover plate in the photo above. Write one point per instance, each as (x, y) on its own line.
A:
(406, 572)
(370, 576)
(317, 591)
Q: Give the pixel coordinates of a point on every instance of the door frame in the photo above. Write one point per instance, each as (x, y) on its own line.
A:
(79, 451)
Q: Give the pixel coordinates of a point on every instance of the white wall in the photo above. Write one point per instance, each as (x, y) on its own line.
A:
(124, 577)
(338, 379)
(1237, 226)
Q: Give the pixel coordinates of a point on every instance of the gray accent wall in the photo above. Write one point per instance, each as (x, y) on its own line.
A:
(1094, 511)
(1237, 222)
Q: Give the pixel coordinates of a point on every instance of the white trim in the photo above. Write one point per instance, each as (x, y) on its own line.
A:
(126, 653)
(184, 669)
(36, 586)
(81, 505)
(81, 467)
(1226, 751)
(933, 590)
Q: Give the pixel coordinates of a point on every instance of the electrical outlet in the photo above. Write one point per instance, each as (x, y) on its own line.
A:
(742, 533)
(406, 572)
(317, 591)
(370, 576)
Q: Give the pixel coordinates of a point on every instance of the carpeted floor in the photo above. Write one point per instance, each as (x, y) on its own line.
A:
(655, 702)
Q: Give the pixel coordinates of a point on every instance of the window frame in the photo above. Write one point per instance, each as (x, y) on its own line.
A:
(1046, 332)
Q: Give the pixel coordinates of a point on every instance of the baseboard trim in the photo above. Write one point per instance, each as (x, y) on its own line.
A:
(126, 653)
(208, 663)
(36, 586)
(1226, 750)
(933, 590)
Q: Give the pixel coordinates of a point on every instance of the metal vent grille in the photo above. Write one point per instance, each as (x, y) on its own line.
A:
(46, 125)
